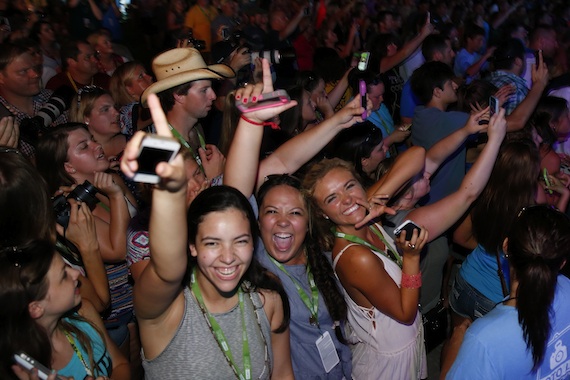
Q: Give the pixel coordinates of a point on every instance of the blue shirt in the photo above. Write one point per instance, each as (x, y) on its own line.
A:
(382, 119)
(463, 60)
(480, 270)
(408, 101)
(494, 347)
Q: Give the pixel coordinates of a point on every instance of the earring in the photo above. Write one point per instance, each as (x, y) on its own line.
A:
(73, 171)
(326, 217)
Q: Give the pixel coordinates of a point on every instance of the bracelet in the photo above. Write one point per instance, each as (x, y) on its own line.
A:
(411, 281)
(272, 124)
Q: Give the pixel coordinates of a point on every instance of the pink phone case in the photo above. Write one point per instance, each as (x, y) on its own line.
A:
(271, 99)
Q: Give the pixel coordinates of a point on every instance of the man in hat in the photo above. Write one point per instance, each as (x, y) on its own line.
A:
(184, 87)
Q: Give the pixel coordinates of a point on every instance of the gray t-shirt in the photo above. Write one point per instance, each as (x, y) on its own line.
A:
(194, 353)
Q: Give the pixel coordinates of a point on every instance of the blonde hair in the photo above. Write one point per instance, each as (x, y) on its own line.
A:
(229, 123)
(83, 102)
(315, 173)
(121, 78)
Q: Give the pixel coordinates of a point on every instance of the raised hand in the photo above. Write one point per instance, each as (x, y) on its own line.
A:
(9, 132)
(173, 176)
(497, 125)
(104, 182)
(376, 207)
(213, 160)
(251, 92)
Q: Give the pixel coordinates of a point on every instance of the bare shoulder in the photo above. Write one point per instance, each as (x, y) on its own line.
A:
(273, 307)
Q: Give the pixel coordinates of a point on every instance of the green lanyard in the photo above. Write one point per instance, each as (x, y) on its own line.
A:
(219, 334)
(313, 303)
(183, 141)
(78, 353)
(392, 255)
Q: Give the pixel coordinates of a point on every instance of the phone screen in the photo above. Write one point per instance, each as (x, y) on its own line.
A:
(150, 157)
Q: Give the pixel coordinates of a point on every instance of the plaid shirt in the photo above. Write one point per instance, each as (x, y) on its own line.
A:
(502, 78)
(39, 100)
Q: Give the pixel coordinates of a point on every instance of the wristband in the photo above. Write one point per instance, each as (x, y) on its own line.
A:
(411, 281)
(272, 124)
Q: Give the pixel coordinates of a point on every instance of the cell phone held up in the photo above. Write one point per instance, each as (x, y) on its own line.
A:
(268, 100)
(407, 226)
(28, 363)
(154, 150)
(493, 105)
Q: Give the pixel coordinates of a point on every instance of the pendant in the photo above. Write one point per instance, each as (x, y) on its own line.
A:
(313, 320)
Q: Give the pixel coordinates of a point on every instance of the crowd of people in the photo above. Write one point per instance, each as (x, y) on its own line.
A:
(270, 246)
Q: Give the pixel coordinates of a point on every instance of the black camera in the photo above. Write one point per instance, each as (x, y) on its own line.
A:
(197, 44)
(85, 193)
(32, 128)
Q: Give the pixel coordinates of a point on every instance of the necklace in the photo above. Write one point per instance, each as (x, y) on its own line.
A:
(183, 141)
(78, 353)
(311, 303)
(220, 337)
(73, 83)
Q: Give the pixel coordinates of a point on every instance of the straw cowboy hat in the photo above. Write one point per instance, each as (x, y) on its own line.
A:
(182, 65)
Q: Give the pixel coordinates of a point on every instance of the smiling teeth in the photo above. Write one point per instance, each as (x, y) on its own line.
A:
(351, 210)
(227, 271)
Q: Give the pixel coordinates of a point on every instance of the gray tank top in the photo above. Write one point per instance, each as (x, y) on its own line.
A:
(194, 353)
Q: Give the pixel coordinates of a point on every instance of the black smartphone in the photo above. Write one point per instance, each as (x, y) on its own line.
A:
(493, 105)
(407, 226)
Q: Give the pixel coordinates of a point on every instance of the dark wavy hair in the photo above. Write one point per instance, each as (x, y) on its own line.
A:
(317, 261)
(538, 246)
(222, 198)
(51, 155)
(512, 185)
(24, 201)
(23, 279)
(549, 110)
(357, 143)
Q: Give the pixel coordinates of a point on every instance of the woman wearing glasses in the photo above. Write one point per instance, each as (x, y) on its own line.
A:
(526, 336)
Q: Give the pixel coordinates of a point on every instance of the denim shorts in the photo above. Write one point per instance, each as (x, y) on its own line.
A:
(467, 301)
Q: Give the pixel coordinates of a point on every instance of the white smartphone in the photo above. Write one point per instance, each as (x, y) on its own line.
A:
(154, 149)
(407, 226)
(29, 363)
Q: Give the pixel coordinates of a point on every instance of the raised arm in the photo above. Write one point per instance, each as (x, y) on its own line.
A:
(406, 166)
(441, 215)
(242, 170)
(160, 282)
(112, 236)
(293, 154)
(438, 153)
(388, 63)
(518, 118)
